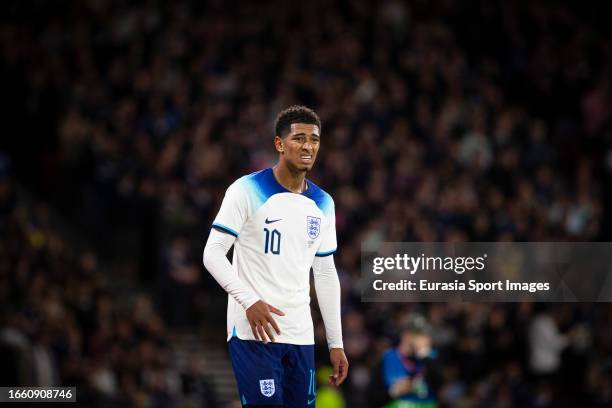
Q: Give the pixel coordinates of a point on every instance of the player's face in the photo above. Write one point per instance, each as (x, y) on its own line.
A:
(300, 147)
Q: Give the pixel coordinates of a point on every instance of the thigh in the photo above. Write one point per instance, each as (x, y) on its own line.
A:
(300, 383)
(259, 372)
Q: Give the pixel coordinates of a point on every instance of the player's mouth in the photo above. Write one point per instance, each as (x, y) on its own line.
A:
(306, 158)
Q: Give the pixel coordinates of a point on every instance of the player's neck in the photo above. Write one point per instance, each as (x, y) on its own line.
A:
(294, 181)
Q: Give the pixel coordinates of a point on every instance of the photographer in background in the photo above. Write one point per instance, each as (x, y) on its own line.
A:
(406, 368)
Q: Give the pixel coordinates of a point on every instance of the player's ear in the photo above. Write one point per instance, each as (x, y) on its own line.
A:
(278, 143)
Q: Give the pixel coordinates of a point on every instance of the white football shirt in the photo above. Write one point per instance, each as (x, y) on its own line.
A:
(278, 233)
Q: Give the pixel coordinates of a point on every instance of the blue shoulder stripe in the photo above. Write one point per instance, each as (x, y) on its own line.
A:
(322, 199)
(223, 228)
(262, 185)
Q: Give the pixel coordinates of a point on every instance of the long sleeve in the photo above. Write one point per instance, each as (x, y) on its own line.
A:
(216, 262)
(327, 287)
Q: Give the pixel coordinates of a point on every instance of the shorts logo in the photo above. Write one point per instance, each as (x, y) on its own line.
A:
(267, 387)
(313, 225)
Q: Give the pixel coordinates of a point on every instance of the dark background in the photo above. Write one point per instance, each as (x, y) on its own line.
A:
(124, 122)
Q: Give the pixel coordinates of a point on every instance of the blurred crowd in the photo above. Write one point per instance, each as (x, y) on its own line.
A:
(64, 322)
(442, 121)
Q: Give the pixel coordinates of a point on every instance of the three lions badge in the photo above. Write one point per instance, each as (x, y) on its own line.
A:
(313, 225)
(267, 387)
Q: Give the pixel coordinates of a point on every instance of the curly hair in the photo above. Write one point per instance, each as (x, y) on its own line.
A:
(295, 114)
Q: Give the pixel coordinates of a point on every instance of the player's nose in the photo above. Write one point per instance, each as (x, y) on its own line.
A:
(307, 146)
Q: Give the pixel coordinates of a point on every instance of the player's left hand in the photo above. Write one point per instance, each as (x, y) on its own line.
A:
(339, 364)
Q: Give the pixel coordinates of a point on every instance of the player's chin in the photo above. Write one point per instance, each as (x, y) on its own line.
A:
(305, 166)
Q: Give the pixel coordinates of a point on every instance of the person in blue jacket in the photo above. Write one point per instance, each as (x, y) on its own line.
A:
(404, 367)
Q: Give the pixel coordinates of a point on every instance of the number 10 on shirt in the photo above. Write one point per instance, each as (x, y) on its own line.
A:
(272, 243)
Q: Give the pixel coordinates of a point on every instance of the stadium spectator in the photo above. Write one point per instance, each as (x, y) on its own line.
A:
(546, 343)
(405, 368)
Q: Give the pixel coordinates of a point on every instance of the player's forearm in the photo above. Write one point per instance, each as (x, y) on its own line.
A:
(327, 287)
(216, 262)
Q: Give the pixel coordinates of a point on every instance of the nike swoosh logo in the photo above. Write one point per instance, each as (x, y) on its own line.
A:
(311, 401)
(271, 221)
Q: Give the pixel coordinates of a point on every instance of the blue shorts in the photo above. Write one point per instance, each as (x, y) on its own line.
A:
(274, 373)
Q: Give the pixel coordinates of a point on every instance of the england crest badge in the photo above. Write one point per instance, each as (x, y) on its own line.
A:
(267, 387)
(313, 225)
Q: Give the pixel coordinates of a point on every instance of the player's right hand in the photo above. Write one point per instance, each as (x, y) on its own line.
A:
(260, 318)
